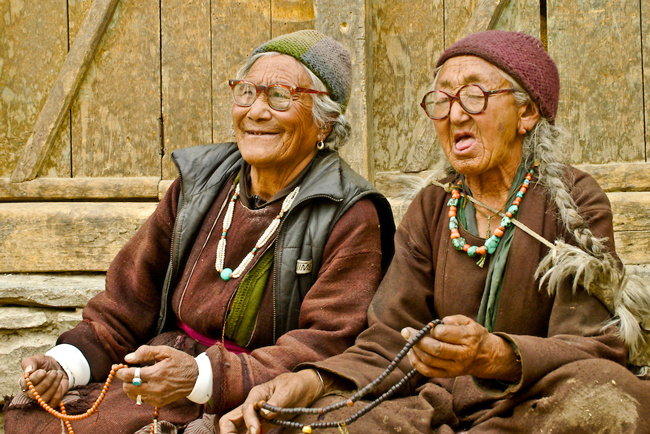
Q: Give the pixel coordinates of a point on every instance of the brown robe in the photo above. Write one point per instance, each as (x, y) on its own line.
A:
(123, 317)
(573, 378)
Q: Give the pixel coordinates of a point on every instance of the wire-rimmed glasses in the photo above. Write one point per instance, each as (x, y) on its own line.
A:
(471, 97)
(279, 96)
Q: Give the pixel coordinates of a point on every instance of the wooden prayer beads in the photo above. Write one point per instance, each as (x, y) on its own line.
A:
(307, 429)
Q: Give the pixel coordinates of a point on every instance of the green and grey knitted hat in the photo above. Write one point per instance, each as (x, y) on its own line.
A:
(324, 56)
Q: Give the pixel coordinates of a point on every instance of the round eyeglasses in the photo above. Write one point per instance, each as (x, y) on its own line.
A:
(279, 96)
(471, 97)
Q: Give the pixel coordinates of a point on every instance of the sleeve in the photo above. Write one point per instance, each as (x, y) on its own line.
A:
(405, 297)
(332, 314)
(117, 320)
(576, 324)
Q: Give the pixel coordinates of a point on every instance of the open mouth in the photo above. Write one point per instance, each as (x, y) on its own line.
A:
(463, 140)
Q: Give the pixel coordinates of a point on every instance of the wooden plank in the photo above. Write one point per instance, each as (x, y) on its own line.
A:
(186, 79)
(403, 51)
(598, 51)
(80, 188)
(345, 21)
(66, 237)
(64, 89)
(33, 46)
(645, 41)
(485, 16)
(620, 176)
(291, 15)
(232, 44)
(115, 117)
(521, 16)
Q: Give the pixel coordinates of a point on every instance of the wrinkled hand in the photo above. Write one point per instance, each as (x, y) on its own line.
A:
(47, 376)
(461, 346)
(297, 389)
(169, 376)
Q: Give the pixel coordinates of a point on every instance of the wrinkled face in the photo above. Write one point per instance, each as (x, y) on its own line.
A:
(490, 140)
(272, 139)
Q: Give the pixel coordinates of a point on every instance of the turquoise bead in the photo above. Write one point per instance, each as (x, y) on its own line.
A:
(472, 251)
(520, 194)
(491, 244)
(458, 243)
(226, 273)
(526, 182)
(505, 222)
(452, 202)
(513, 209)
(453, 223)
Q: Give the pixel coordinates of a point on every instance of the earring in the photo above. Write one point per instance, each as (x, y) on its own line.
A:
(320, 145)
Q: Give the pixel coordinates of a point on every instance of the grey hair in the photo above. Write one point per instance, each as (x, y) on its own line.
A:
(325, 111)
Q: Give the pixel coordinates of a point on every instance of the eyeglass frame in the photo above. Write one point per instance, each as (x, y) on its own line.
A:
(265, 89)
(486, 95)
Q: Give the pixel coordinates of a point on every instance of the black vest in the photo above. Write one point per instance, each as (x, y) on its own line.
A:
(328, 190)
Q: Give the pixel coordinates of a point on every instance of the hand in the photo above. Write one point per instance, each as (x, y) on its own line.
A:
(170, 376)
(298, 389)
(47, 376)
(461, 346)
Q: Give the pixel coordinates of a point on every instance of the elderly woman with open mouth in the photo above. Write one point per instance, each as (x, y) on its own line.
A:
(516, 334)
(264, 253)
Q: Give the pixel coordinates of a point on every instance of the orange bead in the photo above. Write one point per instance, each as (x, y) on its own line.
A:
(350, 403)
(455, 235)
(508, 214)
(481, 250)
(466, 247)
(498, 232)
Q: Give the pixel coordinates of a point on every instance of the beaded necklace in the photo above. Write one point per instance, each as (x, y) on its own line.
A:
(342, 424)
(66, 418)
(492, 242)
(228, 273)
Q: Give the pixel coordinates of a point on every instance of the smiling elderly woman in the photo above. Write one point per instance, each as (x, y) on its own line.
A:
(512, 354)
(264, 253)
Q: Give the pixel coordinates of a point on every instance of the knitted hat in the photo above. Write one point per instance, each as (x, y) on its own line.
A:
(325, 57)
(520, 55)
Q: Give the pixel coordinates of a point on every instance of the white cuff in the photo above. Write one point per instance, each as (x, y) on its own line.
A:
(73, 363)
(202, 391)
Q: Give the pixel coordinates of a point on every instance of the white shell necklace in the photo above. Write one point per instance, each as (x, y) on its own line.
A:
(227, 273)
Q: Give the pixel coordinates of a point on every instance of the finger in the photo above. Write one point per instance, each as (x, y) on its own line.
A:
(425, 369)
(231, 422)
(52, 382)
(457, 320)
(60, 391)
(147, 353)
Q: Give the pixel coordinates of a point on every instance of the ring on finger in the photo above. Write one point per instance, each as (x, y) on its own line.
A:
(137, 381)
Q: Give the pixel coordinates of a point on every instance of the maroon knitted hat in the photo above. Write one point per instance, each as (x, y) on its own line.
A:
(520, 55)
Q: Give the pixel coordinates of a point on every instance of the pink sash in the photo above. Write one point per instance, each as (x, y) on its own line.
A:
(208, 342)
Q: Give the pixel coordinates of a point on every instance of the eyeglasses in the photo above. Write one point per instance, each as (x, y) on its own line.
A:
(279, 96)
(472, 98)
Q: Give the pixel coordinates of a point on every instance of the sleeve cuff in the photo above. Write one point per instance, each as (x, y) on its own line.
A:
(73, 363)
(202, 391)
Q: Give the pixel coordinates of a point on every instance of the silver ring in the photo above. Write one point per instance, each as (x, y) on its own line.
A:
(137, 381)
(138, 400)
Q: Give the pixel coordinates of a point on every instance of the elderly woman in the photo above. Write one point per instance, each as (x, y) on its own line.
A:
(509, 356)
(264, 253)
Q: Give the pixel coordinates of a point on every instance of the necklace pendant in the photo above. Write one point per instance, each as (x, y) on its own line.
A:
(481, 262)
(226, 274)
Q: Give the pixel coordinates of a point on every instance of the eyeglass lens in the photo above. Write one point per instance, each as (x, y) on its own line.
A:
(471, 97)
(278, 97)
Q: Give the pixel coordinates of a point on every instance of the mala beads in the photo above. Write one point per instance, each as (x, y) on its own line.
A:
(66, 418)
(492, 242)
(307, 429)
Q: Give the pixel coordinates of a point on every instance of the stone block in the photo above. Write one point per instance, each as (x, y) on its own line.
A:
(49, 289)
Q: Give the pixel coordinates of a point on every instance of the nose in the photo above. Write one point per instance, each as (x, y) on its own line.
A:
(456, 112)
(260, 108)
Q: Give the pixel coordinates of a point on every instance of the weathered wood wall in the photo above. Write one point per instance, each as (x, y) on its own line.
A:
(157, 81)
